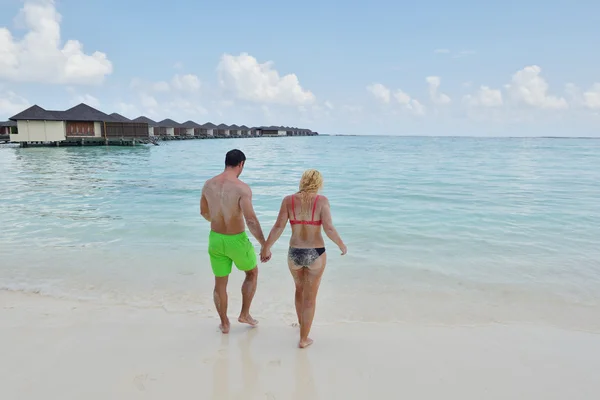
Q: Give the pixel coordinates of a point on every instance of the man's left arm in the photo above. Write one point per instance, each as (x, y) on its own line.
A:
(204, 206)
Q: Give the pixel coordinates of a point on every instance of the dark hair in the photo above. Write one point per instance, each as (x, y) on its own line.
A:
(234, 157)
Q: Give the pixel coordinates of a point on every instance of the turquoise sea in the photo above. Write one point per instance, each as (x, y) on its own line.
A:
(439, 230)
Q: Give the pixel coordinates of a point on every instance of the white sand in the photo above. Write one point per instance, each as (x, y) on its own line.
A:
(54, 349)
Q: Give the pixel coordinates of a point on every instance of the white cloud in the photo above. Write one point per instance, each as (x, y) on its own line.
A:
(160, 86)
(380, 92)
(591, 98)
(464, 53)
(434, 84)
(128, 110)
(441, 51)
(401, 97)
(178, 108)
(587, 99)
(485, 97)
(415, 107)
(148, 101)
(384, 95)
(186, 83)
(11, 104)
(252, 81)
(87, 99)
(329, 105)
(38, 57)
(529, 87)
(410, 104)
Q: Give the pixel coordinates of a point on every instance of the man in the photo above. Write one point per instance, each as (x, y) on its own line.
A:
(226, 202)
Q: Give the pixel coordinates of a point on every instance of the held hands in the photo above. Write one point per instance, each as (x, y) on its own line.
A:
(265, 254)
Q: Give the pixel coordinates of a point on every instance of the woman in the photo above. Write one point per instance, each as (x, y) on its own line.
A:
(307, 211)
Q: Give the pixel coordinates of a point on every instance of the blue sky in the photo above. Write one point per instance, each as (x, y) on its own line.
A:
(382, 67)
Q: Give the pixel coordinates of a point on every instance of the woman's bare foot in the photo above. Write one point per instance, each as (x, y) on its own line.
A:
(247, 319)
(224, 327)
(305, 343)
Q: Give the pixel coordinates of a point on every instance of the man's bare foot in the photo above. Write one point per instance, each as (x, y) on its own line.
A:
(224, 327)
(247, 319)
(305, 343)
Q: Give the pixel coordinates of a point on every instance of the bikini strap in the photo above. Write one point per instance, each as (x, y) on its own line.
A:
(293, 208)
(314, 207)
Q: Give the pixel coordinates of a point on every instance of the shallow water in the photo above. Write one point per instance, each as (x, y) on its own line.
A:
(438, 229)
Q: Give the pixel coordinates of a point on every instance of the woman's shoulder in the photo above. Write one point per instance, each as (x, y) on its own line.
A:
(321, 199)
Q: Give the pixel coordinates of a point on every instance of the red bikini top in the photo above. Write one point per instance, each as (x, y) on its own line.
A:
(312, 221)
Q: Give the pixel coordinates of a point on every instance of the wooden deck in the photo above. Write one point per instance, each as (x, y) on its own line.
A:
(126, 141)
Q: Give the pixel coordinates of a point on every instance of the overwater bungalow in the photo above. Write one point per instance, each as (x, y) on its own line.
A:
(272, 131)
(235, 130)
(167, 127)
(209, 129)
(145, 120)
(36, 124)
(192, 128)
(245, 131)
(83, 124)
(6, 128)
(223, 131)
(118, 117)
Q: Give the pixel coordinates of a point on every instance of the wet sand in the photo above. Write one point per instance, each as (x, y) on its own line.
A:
(74, 350)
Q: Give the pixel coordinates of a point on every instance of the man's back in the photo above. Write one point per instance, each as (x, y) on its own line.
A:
(223, 194)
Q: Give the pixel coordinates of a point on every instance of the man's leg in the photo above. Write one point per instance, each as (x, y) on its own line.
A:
(248, 290)
(221, 267)
(220, 297)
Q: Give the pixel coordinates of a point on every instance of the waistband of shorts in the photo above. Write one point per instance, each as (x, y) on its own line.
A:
(240, 235)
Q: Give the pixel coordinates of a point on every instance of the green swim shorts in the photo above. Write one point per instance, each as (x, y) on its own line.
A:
(224, 250)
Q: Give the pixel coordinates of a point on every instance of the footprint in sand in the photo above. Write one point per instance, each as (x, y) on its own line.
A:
(275, 363)
(140, 380)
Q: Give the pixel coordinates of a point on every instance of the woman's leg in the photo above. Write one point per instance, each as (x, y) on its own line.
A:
(298, 275)
(312, 280)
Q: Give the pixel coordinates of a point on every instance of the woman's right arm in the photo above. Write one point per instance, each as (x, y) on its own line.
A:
(279, 226)
(328, 227)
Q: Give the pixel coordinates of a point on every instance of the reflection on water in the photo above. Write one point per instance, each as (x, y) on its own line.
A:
(250, 369)
(305, 387)
(220, 389)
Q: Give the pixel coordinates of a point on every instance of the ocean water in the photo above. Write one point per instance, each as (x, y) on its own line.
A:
(439, 230)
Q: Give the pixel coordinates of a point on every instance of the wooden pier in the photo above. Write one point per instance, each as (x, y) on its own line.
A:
(152, 140)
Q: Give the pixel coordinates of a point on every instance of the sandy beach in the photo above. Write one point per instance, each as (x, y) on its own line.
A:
(75, 350)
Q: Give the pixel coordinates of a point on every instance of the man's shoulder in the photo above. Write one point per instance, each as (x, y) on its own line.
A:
(243, 187)
(208, 183)
(212, 179)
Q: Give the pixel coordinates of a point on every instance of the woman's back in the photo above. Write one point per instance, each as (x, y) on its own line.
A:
(304, 213)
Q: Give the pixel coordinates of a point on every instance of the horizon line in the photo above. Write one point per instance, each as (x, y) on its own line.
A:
(463, 136)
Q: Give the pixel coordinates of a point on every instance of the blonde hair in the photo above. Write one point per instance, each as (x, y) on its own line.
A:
(310, 184)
